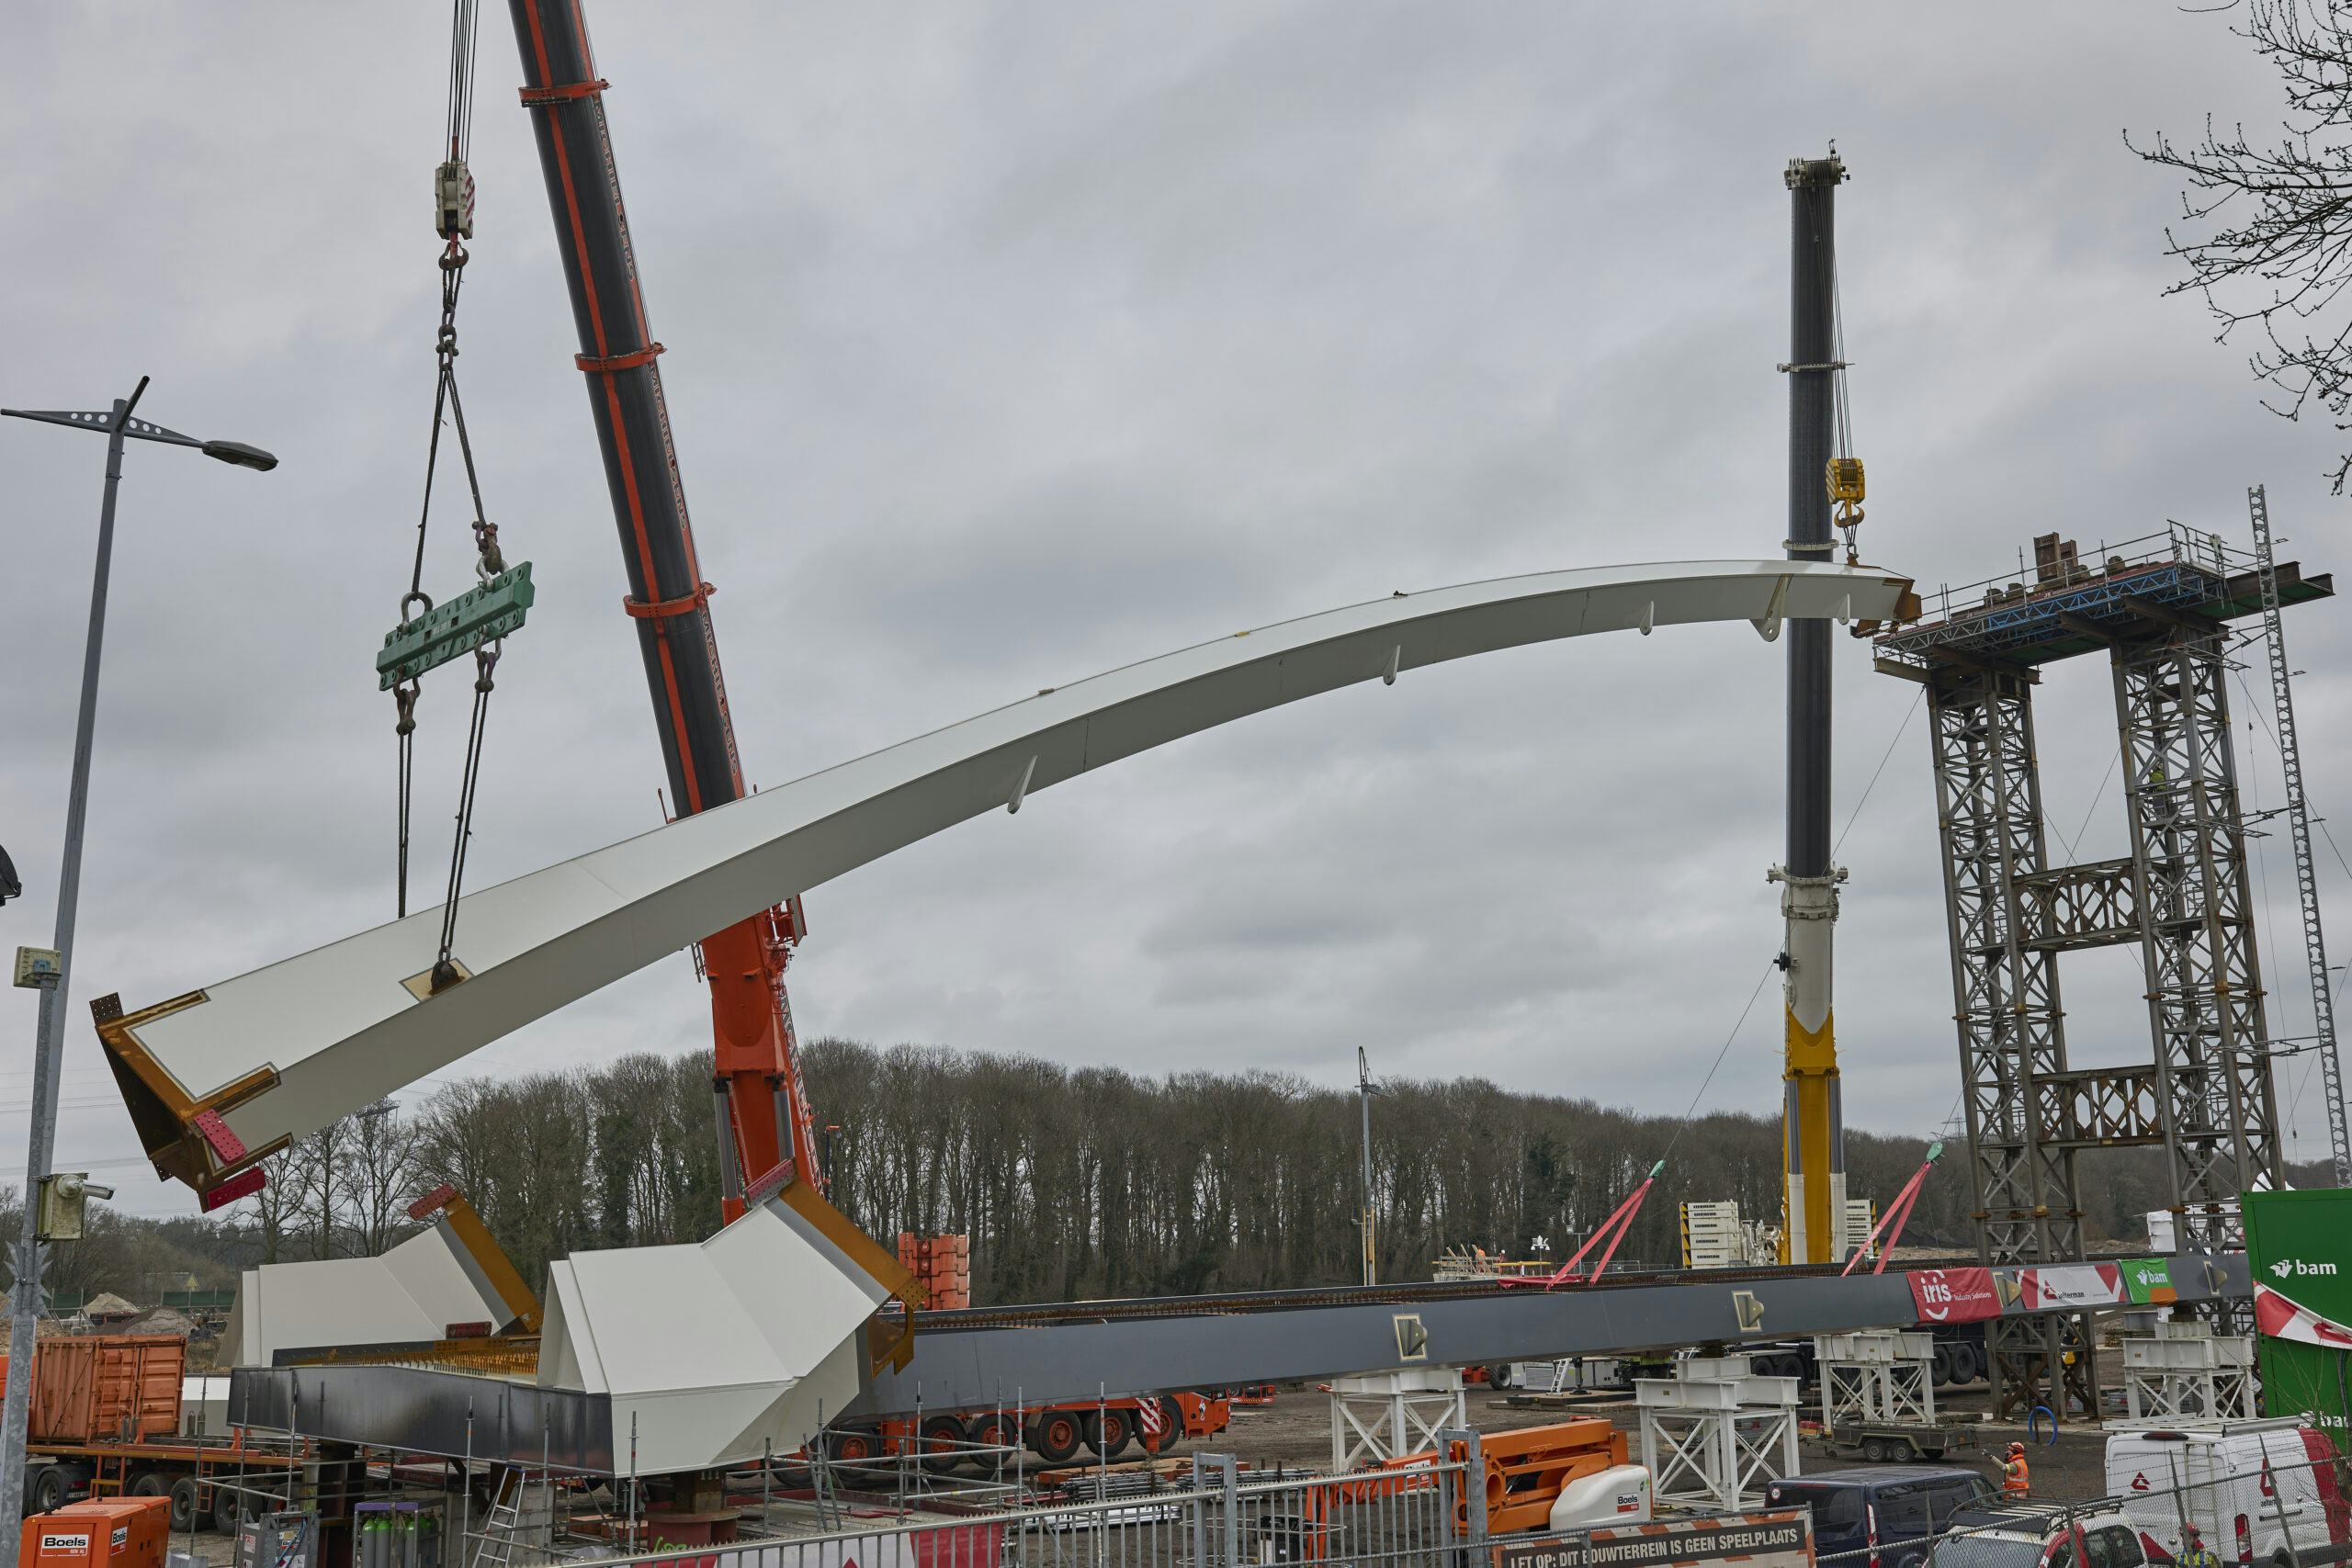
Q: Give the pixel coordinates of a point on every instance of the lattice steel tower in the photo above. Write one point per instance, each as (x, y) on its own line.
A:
(2299, 828)
(2160, 608)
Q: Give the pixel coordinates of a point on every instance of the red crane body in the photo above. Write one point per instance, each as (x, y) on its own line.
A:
(766, 1134)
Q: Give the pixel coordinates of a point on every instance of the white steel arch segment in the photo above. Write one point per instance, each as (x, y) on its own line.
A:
(216, 1078)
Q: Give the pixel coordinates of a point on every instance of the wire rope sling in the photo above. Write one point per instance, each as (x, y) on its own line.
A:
(478, 620)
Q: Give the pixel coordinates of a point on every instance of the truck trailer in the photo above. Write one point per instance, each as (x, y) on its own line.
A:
(109, 1418)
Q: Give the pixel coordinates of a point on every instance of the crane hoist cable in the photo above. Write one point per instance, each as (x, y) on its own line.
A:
(1845, 469)
(478, 620)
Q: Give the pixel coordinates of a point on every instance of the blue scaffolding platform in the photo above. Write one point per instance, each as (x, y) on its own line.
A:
(2063, 609)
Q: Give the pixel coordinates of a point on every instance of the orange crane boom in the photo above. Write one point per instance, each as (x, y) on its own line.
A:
(766, 1132)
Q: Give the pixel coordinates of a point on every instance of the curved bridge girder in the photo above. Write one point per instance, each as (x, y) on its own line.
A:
(218, 1079)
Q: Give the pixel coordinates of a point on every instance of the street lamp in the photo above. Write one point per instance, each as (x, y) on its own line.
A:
(30, 1257)
(1365, 1089)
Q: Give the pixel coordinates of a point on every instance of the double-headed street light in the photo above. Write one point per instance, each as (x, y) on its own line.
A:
(29, 1258)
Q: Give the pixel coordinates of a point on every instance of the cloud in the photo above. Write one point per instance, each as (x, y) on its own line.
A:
(1009, 346)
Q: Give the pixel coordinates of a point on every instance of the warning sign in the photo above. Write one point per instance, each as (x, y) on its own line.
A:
(1767, 1540)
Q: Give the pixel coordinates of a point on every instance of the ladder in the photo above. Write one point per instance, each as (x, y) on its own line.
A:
(494, 1547)
(2299, 827)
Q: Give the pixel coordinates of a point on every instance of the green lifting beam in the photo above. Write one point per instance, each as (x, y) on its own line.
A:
(455, 629)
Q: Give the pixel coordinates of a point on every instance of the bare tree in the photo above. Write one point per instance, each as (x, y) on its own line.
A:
(277, 1213)
(2267, 227)
(323, 1160)
(384, 1176)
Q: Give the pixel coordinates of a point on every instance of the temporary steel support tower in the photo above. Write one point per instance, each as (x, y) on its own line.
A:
(765, 1131)
(2004, 999)
(1813, 1122)
(2181, 895)
(2196, 927)
(2299, 827)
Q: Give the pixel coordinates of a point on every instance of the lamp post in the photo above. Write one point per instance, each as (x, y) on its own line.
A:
(1365, 1089)
(29, 1257)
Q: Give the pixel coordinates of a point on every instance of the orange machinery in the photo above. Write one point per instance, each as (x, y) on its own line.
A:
(103, 1533)
(1526, 1469)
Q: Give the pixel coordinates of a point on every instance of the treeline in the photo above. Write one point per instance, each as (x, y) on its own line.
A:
(1072, 1181)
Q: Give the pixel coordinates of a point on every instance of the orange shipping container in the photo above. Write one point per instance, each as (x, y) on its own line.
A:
(124, 1387)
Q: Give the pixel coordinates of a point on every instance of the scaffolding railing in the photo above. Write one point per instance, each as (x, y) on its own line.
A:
(2179, 564)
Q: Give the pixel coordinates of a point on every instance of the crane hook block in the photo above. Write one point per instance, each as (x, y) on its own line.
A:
(453, 200)
(1846, 481)
(455, 629)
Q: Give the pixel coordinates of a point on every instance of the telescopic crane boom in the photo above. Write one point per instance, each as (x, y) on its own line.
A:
(765, 1131)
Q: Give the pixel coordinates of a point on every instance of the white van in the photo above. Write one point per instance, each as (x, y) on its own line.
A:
(2213, 1476)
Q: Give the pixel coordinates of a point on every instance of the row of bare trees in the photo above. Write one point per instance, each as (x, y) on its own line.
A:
(1089, 1181)
(1072, 1181)
(1082, 1181)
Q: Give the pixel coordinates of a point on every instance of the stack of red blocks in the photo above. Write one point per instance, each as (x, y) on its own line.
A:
(942, 1264)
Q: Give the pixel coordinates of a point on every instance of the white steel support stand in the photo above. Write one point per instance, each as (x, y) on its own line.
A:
(2186, 1371)
(1387, 1416)
(1714, 1435)
(1876, 1375)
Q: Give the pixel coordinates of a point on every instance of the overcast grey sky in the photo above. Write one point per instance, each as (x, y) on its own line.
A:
(1010, 343)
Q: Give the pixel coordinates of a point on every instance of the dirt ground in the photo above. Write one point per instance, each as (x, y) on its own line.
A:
(1296, 1429)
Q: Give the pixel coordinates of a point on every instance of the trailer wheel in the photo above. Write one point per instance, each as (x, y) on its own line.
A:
(1109, 1430)
(942, 1443)
(1943, 1365)
(854, 1448)
(225, 1511)
(991, 1432)
(1055, 1436)
(1967, 1363)
(1498, 1374)
(183, 1504)
(1876, 1451)
(46, 1490)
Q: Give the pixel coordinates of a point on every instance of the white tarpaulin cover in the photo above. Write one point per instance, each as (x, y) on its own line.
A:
(711, 1353)
(218, 1077)
(411, 1295)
